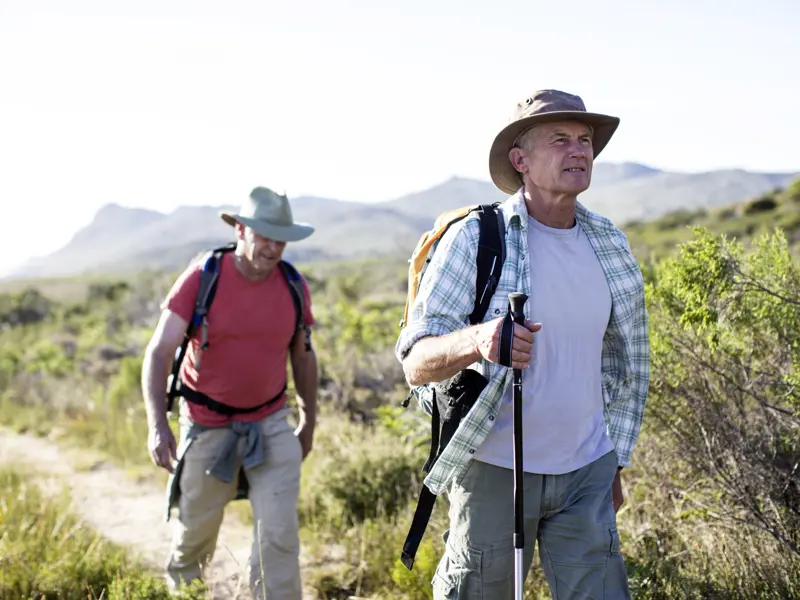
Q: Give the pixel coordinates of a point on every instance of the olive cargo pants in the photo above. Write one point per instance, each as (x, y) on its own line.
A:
(571, 516)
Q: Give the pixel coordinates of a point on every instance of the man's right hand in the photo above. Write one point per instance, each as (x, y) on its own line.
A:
(161, 445)
(488, 341)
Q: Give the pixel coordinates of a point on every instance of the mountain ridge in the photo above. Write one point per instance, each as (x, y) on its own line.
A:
(123, 238)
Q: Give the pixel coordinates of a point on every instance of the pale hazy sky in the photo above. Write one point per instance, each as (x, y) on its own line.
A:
(157, 103)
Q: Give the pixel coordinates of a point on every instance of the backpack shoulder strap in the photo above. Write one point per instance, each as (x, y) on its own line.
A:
(209, 275)
(491, 255)
(296, 287)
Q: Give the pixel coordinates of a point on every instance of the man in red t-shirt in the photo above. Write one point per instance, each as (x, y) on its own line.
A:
(236, 439)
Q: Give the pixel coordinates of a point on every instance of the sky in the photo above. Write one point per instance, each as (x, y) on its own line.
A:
(162, 103)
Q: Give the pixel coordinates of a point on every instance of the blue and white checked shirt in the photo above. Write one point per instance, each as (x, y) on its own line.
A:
(446, 298)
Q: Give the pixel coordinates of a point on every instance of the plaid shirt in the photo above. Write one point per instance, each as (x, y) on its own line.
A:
(445, 300)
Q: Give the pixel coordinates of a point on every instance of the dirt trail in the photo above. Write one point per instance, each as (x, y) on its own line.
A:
(127, 512)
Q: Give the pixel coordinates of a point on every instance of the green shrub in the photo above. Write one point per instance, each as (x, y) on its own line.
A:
(725, 333)
(359, 474)
(24, 308)
(760, 205)
(793, 191)
(679, 218)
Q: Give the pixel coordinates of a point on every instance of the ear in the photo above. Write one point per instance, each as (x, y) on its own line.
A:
(517, 158)
(240, 231)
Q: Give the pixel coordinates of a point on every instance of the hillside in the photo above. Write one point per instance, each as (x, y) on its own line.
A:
(712, 498)
(121, 239)
(654, 239)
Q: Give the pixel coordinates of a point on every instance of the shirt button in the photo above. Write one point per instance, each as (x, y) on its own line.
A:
(497, 311)
(472, 450)
(491, 417)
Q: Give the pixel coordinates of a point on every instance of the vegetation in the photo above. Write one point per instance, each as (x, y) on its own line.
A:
(712, 500)
(653, 240)
(45, 553)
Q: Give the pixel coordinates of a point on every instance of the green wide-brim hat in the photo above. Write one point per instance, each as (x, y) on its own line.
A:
(544, 106)
(270, 216)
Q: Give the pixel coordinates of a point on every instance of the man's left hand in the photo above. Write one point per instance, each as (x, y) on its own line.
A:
(616, 491)
(305, 433)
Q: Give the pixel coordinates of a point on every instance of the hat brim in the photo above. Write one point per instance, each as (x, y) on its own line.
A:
(281, 233)
(503, 173)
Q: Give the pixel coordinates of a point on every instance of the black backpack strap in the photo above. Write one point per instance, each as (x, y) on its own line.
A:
(427, 499)
(422, 514)
(452, 400)
(209, 275)
(491, 255)
(296, 287)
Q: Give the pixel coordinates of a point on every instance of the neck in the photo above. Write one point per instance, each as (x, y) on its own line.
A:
(552, 210)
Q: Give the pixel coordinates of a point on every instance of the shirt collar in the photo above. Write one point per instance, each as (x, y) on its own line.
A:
(515, 207)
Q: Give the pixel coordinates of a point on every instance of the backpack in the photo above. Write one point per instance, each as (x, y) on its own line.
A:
(491, 254)
(209, 276)
(459, 393)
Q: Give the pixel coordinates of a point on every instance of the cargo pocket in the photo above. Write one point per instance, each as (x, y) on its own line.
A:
(615, 585)
(458, 576)
(444, 588)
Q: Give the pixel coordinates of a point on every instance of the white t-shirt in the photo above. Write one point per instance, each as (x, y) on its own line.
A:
(563, 427)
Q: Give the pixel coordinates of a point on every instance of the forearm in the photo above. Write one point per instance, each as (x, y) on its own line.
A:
(305, 384)
(154, 378)
(436, 358)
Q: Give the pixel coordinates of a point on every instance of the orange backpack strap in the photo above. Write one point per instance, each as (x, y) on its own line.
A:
(491, 253)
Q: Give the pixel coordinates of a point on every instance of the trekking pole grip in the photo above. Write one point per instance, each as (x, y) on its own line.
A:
(517, 301)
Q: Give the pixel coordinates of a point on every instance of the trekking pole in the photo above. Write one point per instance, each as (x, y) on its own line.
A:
(517, 302)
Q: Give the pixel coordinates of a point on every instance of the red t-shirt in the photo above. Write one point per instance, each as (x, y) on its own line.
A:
(250, 327)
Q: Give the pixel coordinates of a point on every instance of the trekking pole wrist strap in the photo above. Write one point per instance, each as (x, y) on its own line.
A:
(506, 340)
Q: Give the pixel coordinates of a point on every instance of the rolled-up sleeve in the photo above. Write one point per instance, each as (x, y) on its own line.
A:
(446, 295)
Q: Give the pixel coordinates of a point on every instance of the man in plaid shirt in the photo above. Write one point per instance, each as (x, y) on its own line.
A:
(584, 352)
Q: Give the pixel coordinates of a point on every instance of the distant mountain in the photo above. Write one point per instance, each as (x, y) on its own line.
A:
(652, 194)
(607, 173)
(122, 239)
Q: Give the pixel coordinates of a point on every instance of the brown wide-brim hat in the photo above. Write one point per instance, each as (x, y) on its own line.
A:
(270, 216)
(544, 106)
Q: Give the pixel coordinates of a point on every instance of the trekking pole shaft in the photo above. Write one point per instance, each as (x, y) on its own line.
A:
(517, 301)
(519, 533)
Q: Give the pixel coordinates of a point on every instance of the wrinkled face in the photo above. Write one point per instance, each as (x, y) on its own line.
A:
(261, 253)
(555, 157)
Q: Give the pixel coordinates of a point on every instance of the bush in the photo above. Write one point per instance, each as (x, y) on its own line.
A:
(726, 213)
(793, 191)
(359, 475)
(680, 218)
(759, 205)
(26, 307)
(725, 330)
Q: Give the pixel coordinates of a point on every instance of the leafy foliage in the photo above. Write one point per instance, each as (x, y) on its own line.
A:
(726, 353)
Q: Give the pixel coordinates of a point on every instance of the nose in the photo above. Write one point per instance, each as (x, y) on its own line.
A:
(577, 150)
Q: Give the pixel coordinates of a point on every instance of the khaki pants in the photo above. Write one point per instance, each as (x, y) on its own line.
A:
(274, 489)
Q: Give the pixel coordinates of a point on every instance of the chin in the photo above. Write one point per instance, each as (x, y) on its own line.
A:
(581, 189)
(577, 188)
